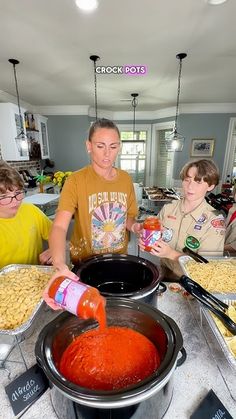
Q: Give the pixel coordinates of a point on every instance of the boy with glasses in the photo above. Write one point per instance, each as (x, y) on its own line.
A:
(23, 227)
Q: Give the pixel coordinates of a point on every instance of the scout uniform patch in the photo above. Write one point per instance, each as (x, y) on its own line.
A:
(202, 219)
(218, 223)
(167, 235)
(197, 227)
(192, 243)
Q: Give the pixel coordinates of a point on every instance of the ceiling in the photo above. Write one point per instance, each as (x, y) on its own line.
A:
(53, 41)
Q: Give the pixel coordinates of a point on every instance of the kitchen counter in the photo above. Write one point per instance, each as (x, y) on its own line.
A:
(192, 380)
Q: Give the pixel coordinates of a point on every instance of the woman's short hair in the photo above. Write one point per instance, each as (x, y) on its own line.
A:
(10, 179)
(206, 170)
(102, 123)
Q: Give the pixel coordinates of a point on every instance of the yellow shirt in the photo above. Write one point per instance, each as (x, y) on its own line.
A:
(100, 208)
(202, 230)
(21, 237)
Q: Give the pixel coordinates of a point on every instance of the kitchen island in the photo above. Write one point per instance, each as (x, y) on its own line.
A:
(192, 380)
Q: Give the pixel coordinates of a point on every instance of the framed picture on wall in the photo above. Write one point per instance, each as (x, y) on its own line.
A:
(202, 147)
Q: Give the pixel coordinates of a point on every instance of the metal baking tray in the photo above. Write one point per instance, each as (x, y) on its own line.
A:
(28, 325)
(228, 299)
(183, 260)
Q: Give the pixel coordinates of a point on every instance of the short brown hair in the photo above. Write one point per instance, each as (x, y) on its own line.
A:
(206, 170)
(102, 123)
(10, 179)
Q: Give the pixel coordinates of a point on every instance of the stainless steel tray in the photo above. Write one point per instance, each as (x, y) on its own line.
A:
(28, 325)
(183, 260)
(228, 299)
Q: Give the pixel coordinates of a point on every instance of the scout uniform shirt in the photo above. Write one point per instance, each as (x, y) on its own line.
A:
(230, 235)
(201, 230)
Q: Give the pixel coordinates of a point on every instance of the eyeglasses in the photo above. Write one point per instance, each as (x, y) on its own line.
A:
(6, 200)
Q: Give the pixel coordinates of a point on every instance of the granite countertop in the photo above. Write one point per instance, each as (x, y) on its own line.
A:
(41, 198)
(192, 380)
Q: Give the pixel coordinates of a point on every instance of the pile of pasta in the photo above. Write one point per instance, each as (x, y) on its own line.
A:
(228, 336)
(20, 292)
(215, 276)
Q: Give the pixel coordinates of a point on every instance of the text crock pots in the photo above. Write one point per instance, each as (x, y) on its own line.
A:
(144, 318)
(125, 276)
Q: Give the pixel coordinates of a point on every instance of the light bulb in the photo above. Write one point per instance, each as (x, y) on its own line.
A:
(216, 2)
(87, 5)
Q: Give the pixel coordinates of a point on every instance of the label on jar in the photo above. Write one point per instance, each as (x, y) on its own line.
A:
(150, 237)
(69, 294)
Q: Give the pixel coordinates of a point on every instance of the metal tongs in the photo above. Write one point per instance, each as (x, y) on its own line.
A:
(194, 255)
(217, 306)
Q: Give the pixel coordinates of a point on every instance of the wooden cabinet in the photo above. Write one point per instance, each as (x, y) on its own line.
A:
(10, 126)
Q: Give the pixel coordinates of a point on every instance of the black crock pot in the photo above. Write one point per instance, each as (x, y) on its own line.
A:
(159, 328)
(125, 276)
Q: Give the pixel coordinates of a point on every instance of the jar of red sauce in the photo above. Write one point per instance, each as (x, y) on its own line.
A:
(151, 232)
(78, 298)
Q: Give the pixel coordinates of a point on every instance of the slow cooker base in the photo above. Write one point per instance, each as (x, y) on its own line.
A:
(153, 408)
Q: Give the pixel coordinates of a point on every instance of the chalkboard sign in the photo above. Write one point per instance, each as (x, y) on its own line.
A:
(26, 388)
(211, 408)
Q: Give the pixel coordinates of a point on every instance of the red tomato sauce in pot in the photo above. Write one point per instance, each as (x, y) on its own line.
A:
(111, 359)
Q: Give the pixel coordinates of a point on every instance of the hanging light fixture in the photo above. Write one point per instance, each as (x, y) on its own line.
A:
(134, 103)
(175, 141)
(21, 138)
(95, 58)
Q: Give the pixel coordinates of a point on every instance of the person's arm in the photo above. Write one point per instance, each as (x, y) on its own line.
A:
(133, 226)
(57, 239)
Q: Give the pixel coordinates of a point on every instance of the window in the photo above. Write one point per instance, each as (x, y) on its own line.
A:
(133, 154)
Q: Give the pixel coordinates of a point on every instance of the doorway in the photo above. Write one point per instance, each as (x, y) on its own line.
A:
(162, 161)
(229, 168)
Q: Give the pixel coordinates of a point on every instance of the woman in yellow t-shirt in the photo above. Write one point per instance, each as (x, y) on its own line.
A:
(102, 200)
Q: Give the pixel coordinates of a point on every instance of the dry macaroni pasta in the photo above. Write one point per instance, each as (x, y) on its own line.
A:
(20, 292)
(217, 276)
(229, 337)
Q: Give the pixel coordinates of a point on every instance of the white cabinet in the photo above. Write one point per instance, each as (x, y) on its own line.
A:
(10, 127)
(41, 124)
(36, 128)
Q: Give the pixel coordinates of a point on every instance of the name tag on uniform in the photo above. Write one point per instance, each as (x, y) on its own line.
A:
(172, 217)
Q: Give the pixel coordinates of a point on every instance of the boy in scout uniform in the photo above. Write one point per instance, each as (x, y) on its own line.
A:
(190, 222)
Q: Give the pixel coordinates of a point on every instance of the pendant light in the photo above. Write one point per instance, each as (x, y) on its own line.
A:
(95, 58)
(134, 103)
(175, 141)
(21, 138)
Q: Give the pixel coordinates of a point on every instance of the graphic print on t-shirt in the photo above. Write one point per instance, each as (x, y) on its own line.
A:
(108, 222)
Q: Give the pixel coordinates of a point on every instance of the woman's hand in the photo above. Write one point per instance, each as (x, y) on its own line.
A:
(141, 243)
(64, 271)
(45, 258)
(136, 228)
